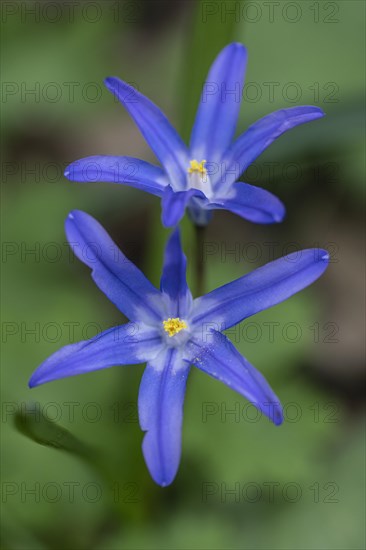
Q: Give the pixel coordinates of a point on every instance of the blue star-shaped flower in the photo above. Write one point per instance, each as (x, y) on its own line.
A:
(201, 177)
(170, 330)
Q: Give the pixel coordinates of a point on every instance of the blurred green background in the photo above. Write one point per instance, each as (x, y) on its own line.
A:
(243, 483)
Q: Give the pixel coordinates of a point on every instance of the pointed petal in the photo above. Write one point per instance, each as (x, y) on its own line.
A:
(213, 353)
(160, 406)
(174, 204)
(219, 105)
(263, 288)
(259, 136)
(252, 203)
(120, 280)
(173, 280)
(156, 129)
(112, 169)
(123, 345)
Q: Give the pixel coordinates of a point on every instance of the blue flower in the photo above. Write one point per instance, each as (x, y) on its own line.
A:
(171, 331)
(202, 176)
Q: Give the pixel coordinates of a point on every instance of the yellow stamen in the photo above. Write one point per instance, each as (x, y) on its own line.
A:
(197, 167)
(173, 326)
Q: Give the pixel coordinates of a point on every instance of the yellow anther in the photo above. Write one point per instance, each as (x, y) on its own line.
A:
(174, 325)
(197, 167)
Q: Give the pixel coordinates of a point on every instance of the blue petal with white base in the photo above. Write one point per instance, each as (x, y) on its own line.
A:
(171, 331)
(160, 405)
(120, 280)
(214, 354)
(173, 282)
(219, 105)
(123, 345)
(253, 203)
(265, 287)
(155, 127)
(128, 170)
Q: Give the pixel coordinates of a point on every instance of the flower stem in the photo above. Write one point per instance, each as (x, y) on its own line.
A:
(199, 263)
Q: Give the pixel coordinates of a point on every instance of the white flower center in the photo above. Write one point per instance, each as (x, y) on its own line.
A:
(198, 177)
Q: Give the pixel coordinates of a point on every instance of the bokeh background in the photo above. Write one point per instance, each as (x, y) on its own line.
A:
(73, 474)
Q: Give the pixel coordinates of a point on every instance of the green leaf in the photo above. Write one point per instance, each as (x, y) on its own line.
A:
(33, 424)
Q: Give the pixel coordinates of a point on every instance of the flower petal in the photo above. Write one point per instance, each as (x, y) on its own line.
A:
(156, 129)
(263, 288)
(112, 169)
(213, 353)
(174, 204)
(123, 345)
(120, 280)
(173, 280)
(252, 203)
(219, 105)
(247, 147)
(200, 215)
(160, 406)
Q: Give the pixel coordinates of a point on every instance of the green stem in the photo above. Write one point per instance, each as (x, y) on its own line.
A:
(199, 263)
